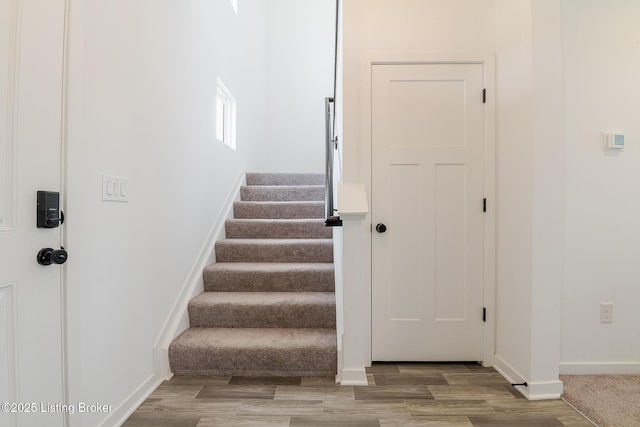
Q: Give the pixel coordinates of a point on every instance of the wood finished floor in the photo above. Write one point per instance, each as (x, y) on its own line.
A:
(402, 394)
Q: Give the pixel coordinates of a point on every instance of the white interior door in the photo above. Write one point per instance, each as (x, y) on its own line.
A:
(31, 59)
(427, 189)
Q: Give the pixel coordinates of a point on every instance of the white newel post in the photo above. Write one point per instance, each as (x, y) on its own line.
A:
(356, 293)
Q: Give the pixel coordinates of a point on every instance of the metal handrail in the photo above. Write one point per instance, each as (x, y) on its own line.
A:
(332, 220)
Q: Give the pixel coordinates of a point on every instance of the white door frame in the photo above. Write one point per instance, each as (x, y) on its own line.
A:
(488, 62)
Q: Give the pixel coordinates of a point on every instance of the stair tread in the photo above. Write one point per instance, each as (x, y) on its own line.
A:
(278, 220)
(256, 338)
(275, 209)
(272, 267)
(284, 187)
(272, 276)
(274, 250)
(282, 192)
(255, 352)
(283, 242)
(263, 310)
(293, 203)
(277, 228)
(265, 298)
(260, 178)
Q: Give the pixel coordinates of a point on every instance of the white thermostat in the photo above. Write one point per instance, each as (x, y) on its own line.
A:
(614, 141)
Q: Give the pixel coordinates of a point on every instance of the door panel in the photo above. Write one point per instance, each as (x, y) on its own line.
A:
(31, 49)
(427, 187)
(450, 223)
(418, 107)
(404, 298)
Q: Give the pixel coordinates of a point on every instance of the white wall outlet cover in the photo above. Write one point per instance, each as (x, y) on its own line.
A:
(606, 312)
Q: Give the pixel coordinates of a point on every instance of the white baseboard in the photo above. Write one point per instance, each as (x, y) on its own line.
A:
(595, 368)
(541, 390)
(120, 414)
(193, 285)
(507, 371)
(354, 377)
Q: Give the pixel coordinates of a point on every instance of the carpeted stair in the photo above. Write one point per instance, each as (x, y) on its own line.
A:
(269, 304)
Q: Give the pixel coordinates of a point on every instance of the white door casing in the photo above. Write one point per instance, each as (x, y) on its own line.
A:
(31, 69)
(428, 189)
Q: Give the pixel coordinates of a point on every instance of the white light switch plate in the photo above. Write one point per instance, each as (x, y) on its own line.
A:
(115, 188)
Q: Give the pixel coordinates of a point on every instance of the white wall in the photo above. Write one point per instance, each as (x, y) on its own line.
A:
(530, 193)
(387, 30)
(515, 182)
(300, 46)
(404, 26)
(142, 85)
(529, 211)
(601, 45)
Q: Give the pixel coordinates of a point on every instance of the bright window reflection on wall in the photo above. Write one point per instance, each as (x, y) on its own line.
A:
(234, 3)
(225, 116)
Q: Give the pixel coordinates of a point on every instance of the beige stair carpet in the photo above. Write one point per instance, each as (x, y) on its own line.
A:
(269, 304)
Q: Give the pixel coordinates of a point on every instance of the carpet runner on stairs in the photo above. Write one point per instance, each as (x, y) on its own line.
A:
(269, 304)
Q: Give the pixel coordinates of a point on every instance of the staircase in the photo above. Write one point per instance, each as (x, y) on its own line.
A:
(269, 304)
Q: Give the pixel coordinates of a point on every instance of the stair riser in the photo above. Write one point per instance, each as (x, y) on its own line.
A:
(297, 362)
(285, 179)
(278, 210)
(281, 193)
(254, 352)
(264, 229)
(259, 316)
(231, 251)
(266, 281)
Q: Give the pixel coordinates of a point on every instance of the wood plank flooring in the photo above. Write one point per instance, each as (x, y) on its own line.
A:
(398, 394)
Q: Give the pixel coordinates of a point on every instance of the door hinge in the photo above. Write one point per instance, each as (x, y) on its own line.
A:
(484, 314)
(484, 96)
(484, 205)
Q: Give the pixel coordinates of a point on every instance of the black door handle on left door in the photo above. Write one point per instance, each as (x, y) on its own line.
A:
(48, 256)
(381, 228)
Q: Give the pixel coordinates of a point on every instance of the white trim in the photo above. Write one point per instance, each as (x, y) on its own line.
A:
(10, 323)
(119, 415)
(175, 324)
(64, 141)
(352, 199)
(227, 124)
(354, 377)
(11, 135)
(487, 59)
(507, 371)
(356, 326)
(595, 368)
(543, 390)
(490, 193)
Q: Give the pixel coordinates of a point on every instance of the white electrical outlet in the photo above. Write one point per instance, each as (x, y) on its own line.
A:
(606, 312)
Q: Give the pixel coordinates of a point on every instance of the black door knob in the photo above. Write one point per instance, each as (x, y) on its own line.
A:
(381, 228)
(48, 256)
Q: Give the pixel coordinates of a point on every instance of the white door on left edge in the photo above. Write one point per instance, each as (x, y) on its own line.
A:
(31, 70)
(427, 189)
